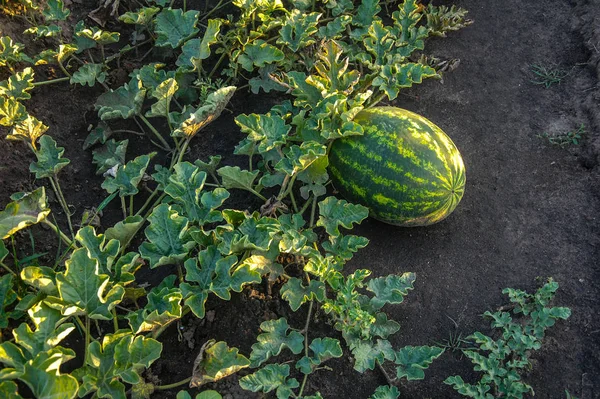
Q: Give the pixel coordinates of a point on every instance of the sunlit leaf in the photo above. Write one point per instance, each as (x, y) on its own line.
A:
(234, 177)
(124, 230)
(394, 77)
(44, 31)
(163, 93)
(11, 52)
(94, 35)
(334, 213)
(143, 16)
(11, 111)
(296, 294)
(50, 330)
(322, 349)
(84, 291)
(120, 358)
(268, 131)
(28, 130)
(259, 53)
(18, 85)
(27, 209)
(274, 339)
(164, 305)
(269, 378)
(213, 273)
(43, 377)
(211, 109)
(41, 277)
(298, 30)
(217, 361)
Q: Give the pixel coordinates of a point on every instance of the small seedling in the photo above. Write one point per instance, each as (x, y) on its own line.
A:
(562, 140)
(547, 75)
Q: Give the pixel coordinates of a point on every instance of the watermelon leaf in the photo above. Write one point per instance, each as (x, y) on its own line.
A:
(274, 339)
(412, 360)
(174, 27)
(168, 241)
(334, 213)
(49, 159)
(216, 361)
(25, 209)
(18, 85)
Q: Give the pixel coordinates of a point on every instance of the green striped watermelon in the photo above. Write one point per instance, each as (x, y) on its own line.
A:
(405, 169)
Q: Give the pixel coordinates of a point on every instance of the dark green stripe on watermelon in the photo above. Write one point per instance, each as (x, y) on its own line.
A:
(404, 168)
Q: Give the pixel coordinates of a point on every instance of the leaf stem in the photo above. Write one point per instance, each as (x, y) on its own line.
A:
(63, 202)
(87, 339)
(8, 269)
(174, 385)
(115, 319)
(217, 64)
(62, 235)
(376, 100)
(156, 133)
(293, 201)
(306, 205)
(289, 188)
(313, 211)
(51, 81)
(305, 330)
(215, 8)
(139, 212)
(62, 68)
(131, 205)
(124, 207)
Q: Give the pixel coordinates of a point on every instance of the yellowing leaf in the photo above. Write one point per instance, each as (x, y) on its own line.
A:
(28, 130)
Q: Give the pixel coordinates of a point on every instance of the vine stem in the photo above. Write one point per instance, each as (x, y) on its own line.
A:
(8, 269)
(174, 385)
(156, 133)
(62, 201)
(87, 339)
(51, 81)
(376, 100)
(305, 330)
(147, 202)
(62, 68)
(124, 207)
(115, 320)
(313, 211)
(389, 380)
(214, 9)
(62, 235)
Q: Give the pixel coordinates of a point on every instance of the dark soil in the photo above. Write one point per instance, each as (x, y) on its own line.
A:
(530, 210)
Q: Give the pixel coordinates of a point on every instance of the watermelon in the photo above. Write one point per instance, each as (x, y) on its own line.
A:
(404, 168)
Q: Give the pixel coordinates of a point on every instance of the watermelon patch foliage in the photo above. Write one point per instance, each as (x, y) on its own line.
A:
(330, 60)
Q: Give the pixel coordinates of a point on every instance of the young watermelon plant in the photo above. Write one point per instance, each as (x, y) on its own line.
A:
(332, 59)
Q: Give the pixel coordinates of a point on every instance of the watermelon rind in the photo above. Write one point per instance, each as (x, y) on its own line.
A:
(404, 168)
